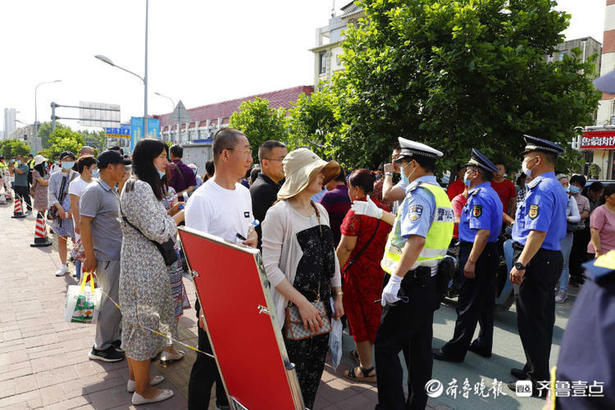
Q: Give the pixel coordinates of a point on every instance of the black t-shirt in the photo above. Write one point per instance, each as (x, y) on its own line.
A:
(264, 193)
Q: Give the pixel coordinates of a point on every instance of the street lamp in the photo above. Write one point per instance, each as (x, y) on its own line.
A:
(35, 104)
(172, 102)
(107, 60)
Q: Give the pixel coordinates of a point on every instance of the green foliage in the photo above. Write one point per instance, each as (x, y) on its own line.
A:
(594, 171)
(64, 139)
(259, 123)
(458, 74)
(44, 131)
(10, 148)
(313, 121)
(570, 162)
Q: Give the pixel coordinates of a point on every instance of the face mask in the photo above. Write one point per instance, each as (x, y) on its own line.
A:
(68, 165)
(404, 178)
(573, 189)
(161, 173)
(527, 171)
(95, 173)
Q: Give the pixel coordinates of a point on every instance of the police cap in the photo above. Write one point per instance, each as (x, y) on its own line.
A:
(538, 144)
(479, 160)
(410, 149)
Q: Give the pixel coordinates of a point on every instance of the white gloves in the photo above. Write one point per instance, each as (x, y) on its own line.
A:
(389, 293)
(367, 208)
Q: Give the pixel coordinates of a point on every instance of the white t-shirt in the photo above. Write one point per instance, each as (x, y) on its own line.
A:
(219, 211)
(77, 187)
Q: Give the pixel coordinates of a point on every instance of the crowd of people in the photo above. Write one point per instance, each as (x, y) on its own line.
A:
(373, 242)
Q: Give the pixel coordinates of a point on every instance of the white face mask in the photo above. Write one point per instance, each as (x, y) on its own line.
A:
(527, 171)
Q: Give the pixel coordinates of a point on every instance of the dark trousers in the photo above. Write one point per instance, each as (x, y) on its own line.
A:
(407, 327)
(536, 310)
(476, 303)
(202, 377)
(578, 254)
(24, 193)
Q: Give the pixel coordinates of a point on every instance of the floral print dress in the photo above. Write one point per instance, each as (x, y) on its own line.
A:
(145, 293)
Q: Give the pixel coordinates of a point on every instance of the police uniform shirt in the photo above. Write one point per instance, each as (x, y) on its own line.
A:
(417, 209)
(544, 210)
(482, 211)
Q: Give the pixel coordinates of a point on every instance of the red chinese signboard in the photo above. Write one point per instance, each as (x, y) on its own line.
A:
(598, 140)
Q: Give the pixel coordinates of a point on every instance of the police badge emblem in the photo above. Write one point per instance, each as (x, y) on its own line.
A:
(477, 211)
(533, 213)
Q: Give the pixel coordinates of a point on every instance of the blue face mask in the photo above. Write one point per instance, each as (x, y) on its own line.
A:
(161, 173)
(467, 182)
(573, 189)
(68, 165)
(95, 173)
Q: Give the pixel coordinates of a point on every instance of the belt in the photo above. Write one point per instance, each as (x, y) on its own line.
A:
(470, 244)
(518, 246)
(420, 273)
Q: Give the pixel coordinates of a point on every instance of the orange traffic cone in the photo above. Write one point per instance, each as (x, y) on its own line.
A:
(17, 211)
(40, 233)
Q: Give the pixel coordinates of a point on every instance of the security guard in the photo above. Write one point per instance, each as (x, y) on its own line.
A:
(540, 224)
(420, 237)
(479, 227)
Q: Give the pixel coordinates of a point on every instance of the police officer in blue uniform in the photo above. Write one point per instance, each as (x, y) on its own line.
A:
(586, 363)
(479, 227)
(540, 224)
(422, 231)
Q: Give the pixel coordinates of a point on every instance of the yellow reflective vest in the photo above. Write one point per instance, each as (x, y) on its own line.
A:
(437, 240)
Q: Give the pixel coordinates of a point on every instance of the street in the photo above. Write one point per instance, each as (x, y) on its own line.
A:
(45, 360)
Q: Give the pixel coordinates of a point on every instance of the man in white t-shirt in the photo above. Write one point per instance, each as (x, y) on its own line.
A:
(220, 207)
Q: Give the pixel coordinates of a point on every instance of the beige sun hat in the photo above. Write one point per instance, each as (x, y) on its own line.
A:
(300, 166)
(39, 159)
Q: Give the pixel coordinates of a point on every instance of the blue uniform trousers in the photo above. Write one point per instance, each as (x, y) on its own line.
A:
(536, 309)
(476, 303)
(406, 327)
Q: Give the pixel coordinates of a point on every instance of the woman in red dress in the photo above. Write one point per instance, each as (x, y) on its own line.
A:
(359, 252)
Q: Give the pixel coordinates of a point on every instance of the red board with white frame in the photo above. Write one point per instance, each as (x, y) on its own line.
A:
(239, 315)
(598, 140)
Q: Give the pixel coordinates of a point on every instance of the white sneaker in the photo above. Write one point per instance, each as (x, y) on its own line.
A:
(561, 297)
(62, 271)
(131, 386)
(163, 395)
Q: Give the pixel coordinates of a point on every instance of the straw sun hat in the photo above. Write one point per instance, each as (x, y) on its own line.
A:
(300, 167)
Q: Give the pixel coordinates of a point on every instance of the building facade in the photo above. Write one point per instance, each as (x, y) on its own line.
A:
(328, 50)
(206, 120)
(10, 122)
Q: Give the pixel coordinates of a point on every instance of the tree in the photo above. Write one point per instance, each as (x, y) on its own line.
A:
(10, 148)
(313, 120)
(95, 139)
(64, 139)
(457, 74)
(259, 123)
(44, 131)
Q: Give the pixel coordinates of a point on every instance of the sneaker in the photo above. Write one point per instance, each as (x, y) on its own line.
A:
(561, 297)
(62, 271)
(164, 394)
(117, 345)
(108, 355)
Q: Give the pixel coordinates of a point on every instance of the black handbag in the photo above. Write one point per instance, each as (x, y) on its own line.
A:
(167, 249)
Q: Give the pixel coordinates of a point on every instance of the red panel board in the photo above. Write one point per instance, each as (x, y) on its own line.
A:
(598, 140)
(233, 291)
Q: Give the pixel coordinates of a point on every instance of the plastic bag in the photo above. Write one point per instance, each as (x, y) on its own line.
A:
(335, 340)
(83, 303)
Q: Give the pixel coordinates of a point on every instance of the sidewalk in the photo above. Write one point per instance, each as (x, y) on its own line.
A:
(44, 360)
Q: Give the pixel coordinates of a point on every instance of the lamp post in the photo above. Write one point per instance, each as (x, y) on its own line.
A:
(172, 102)
(144, 78)
(36, 106)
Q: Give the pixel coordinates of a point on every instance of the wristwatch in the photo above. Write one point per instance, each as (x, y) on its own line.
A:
(388, 174)
(519, 266)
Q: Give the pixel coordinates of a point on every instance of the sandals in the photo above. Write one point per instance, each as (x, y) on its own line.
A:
(354, 356)
(364, 377)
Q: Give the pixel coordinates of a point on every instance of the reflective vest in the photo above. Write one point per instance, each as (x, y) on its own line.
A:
(438, 237)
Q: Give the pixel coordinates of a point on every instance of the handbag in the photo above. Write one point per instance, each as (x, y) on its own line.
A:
(294, 323)
(52, 212)
(167, 249)
(83, 303)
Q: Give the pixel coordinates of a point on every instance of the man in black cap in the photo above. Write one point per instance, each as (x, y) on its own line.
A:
(479, 227)
(101, 237)
(540, 225)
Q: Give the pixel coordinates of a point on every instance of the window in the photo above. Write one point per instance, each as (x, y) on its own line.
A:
(323, 62)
